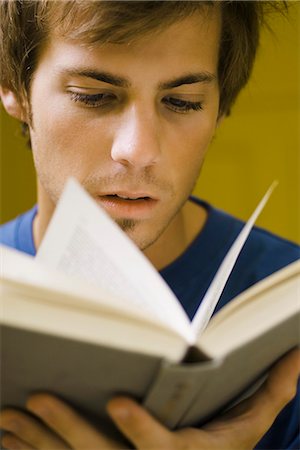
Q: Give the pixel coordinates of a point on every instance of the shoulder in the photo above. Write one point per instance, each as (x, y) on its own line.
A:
(261, 243)
(17, 233)
(8, 233)
(262, 246)
(263, 249)
(272, 249)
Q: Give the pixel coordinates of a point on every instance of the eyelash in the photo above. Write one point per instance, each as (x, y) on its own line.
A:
(102, 100)
(92, 101)
(182, 106)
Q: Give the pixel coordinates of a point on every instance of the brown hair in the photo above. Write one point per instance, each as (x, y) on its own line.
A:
(26, 25)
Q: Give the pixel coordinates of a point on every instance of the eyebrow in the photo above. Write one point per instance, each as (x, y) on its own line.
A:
(106, 77)
(201, 77)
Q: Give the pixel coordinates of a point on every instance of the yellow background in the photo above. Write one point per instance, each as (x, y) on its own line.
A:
(258, 143)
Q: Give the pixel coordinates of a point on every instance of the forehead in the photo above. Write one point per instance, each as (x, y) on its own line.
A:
(189, 44)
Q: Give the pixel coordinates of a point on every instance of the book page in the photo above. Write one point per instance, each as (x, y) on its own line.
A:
(216, 287)
(82, 241)
(25, 274)
(262, 307)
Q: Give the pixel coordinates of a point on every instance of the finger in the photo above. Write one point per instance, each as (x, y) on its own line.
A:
(281, 385)
(29, 430)
(11, 442)
(61, 418)
(142, 430)
(285, 374)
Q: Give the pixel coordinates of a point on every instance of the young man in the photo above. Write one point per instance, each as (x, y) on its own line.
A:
(126, 97)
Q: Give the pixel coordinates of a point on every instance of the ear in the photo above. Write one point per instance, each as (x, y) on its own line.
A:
(12, 105)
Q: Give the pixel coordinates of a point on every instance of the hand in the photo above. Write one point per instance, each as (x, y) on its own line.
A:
(56, 426)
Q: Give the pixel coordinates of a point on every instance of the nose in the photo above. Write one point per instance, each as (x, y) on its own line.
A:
(136, 139)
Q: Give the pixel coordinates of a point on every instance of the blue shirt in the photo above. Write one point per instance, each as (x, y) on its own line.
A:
(190, 275)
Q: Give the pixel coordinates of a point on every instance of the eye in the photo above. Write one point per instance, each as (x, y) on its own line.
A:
(181, 106)
(93, 100)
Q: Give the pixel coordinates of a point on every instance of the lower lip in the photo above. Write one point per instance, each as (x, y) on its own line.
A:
(130, 209)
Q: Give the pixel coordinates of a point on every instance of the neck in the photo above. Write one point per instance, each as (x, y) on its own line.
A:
(45, 210)
(179, 235)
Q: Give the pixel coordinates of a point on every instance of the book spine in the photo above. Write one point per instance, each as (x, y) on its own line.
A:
(175, 388)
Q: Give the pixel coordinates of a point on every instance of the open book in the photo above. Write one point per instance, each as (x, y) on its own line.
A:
(89, 317)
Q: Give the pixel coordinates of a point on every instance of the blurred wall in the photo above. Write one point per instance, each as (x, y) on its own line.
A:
(17, 172)
(258, 143)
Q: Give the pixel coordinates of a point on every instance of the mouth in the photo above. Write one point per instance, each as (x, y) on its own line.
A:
(127, 197)
(128, 205)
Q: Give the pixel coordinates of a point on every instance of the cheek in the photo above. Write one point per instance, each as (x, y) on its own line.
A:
(67, 142)
(190, 148)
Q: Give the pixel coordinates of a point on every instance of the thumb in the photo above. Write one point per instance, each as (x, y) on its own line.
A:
(142, 430)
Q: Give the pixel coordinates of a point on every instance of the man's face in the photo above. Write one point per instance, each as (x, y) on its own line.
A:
(130, 122)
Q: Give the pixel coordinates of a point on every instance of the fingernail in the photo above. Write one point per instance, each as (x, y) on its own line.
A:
(39, 410)
(120, 413)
